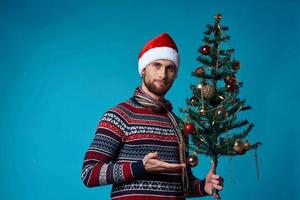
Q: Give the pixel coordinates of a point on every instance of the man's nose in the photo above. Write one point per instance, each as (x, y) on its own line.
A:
(162, 72)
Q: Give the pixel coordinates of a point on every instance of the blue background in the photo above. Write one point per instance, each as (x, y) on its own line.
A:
(64, 63)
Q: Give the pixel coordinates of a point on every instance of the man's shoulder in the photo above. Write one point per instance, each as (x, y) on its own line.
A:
(128, 105)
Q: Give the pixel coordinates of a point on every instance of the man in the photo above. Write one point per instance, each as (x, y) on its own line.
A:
(137, 146)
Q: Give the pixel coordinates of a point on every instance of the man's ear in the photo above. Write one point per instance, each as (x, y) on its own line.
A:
(143, 72)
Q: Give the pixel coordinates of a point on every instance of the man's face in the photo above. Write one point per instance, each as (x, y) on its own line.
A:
(159, 76)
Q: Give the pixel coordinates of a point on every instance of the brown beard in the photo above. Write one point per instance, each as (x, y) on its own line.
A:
(153, 89)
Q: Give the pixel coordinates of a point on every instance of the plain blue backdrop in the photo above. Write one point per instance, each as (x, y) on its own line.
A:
(64, 63)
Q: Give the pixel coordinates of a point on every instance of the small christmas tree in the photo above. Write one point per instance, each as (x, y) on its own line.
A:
(211, 113)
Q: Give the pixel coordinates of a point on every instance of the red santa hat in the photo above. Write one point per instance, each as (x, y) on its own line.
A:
(161, 47)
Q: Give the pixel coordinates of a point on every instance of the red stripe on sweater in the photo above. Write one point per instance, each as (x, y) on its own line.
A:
(94, 179)
(96, 156)
(112, 127)
(127, 171)
(130, 120)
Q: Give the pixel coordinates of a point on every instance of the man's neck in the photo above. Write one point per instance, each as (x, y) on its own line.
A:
(154, 96)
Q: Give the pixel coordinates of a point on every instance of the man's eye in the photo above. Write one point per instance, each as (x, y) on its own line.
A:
(172, 69)
(156, 65)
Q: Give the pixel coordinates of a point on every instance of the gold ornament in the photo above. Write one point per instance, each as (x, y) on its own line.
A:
(193, 160)
(247, 145)
(208, 91)
(238, 146)
(202, 112)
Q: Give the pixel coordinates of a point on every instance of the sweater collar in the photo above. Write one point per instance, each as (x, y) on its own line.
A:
(147, 101)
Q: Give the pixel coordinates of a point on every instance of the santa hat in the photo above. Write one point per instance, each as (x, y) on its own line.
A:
(161, 47)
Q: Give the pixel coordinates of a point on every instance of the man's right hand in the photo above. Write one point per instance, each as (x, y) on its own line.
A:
(153, 164)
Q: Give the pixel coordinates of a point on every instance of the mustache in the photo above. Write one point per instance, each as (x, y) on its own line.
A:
(162, 81)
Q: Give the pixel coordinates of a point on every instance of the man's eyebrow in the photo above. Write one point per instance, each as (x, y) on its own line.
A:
(157, 63)
(171, 65)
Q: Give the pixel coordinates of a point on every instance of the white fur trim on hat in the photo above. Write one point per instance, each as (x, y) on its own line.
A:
(157, 53)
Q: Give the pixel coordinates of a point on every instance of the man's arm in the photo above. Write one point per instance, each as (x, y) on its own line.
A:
(99, 167)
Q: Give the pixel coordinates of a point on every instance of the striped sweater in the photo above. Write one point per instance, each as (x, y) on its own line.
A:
(125, 134)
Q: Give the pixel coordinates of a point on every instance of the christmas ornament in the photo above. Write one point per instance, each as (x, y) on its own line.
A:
(199, 86)
(236, 65)
(205, 50)
(221, 114)
(218, 16)
(192, 160)
(247, 145)
(238, 146)
(231, 87)
(189, 128)
(200, 70)
(202, 112)
(208, 91)
(194, 101)
(229, 80)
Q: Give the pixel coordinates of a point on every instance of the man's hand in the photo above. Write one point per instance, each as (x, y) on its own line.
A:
(213, 181)
(153, 164)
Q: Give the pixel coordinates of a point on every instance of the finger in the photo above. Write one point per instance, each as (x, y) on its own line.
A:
(212, 168)
(214, 181)
(217, 177)
(217, 183)
(218, 187)
(183, 165)
(172, 166)
(216, 196)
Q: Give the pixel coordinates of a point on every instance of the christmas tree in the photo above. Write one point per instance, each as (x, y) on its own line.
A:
(210, 119)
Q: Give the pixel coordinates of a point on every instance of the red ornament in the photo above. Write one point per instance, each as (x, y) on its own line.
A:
(236, 65)
(199, 70)
(205, 50)
(194, 100)
(229, 80)
(222, 114)
(189, 128)
(231, 87)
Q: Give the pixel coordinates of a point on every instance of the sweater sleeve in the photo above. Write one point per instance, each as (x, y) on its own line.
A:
(99, 166)
(196, 186)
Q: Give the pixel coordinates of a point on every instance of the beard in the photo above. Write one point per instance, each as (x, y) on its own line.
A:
(154, 89)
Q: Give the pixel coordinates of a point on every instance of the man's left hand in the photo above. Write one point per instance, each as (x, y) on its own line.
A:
(213, 181)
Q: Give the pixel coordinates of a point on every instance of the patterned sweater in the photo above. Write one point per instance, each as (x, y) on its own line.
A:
(125, 134)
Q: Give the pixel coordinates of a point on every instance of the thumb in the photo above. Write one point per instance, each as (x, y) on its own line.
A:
(213, 168)
(153, 155)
